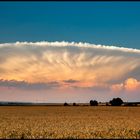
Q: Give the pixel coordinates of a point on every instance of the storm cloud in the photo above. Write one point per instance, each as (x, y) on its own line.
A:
(81, 65)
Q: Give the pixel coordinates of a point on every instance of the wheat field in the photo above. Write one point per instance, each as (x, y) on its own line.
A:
(69, 122)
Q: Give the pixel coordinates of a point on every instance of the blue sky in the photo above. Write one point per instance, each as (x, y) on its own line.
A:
(107, 23)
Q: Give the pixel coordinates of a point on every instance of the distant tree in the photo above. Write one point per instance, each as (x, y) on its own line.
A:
(130, 104)
(107, 104)
(116, 102)
(93, 103)
(66, 104)
(74, 104)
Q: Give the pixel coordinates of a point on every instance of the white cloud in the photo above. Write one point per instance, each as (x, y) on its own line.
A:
(57, 61)
(65, 44)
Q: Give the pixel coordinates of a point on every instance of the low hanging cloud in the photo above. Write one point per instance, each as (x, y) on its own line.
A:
(27, 86)
(80, 65)
(129, 85)
(70, 81)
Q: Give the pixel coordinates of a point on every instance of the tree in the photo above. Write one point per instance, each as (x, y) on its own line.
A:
(74, 104)
(93, 103)
(116, 102)
(66, 104)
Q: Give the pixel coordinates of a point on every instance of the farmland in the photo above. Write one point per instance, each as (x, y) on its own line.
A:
(69, 122)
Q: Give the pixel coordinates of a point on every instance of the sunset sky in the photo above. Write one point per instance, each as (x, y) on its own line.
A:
(69, 51)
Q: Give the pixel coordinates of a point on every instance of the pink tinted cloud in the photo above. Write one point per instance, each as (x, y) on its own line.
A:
(129, 85)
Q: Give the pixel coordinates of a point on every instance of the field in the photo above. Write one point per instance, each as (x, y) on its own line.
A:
(69, 122)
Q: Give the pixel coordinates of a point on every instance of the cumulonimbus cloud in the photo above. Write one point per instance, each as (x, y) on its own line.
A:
(89, 64)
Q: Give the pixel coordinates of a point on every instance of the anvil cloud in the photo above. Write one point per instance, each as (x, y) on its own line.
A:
(69, 65)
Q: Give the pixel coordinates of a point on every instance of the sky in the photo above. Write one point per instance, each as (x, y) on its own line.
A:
(69, 51)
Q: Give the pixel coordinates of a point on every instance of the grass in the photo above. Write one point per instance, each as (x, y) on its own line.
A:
(69, 122)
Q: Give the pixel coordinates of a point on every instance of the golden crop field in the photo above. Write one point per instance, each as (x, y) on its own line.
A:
(69, 122)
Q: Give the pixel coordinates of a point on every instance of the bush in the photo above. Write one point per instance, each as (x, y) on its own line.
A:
(107, 104)
(74, 104)
(93, 103)
(116, 102)
(66, 104)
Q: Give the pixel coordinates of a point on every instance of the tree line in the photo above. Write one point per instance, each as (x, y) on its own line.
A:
(114, 102)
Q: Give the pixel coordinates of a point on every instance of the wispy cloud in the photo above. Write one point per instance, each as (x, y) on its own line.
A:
(77, 64)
